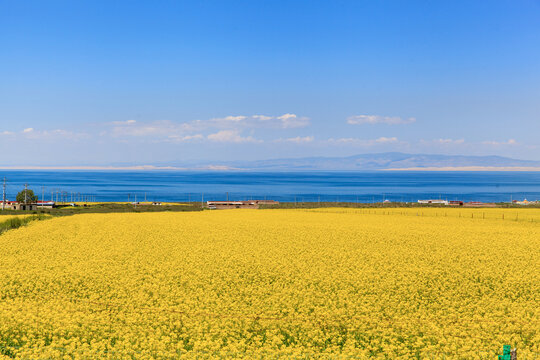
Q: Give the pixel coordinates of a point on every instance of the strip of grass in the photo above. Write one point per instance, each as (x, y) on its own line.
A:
(17, 222)
(63, 210)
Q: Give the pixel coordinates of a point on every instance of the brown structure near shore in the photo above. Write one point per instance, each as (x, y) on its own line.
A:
(479, 204)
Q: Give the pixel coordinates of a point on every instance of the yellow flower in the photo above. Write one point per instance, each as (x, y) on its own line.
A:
(322, 283)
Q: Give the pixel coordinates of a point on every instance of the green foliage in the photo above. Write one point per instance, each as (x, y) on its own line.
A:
(17, 222)
(30, 196)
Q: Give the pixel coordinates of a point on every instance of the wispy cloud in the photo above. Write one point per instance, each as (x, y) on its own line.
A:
(293, 121)
(285, 121)
(126, 122)
(500, 143)
(262, 117)
(385, 140)
(377, 119)
(185, 138)
(164, 128)
(363, 142)
(190, 130)
(231, 136)
(31, 133)
(443, 142)
(298, 139)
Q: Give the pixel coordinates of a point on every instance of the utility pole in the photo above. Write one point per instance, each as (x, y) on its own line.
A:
(227, 196)
(144, 197)
(42, 196)
(4, 195)
(25, 193)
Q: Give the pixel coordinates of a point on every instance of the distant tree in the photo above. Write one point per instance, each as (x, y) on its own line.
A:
(30, 197)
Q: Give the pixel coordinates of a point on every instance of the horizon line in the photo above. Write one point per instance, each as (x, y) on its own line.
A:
(228, 168)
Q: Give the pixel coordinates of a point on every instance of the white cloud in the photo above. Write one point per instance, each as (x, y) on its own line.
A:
(385, 140)
(230, 136)
(28, 130)
(178, 138)
(193, 137)
(499, 143)
(211, 129)
(235, 118)
(376, 119)
(289, 121)
(6, 133)
(262, 117)
(298, 139)
(285, 121)
(231, 122)
(126, 122)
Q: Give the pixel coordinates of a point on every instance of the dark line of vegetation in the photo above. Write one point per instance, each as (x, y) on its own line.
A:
(65, 210)
(313, 205)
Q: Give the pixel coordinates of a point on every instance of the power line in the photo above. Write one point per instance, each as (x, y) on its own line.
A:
(4, 195)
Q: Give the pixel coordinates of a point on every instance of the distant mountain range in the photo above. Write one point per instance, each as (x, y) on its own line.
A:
(381, 161)
(386, 161)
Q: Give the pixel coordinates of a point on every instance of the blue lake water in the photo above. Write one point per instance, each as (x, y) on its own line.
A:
(282, 186)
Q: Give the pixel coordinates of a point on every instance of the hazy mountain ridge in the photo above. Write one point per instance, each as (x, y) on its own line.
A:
(382, 161)
(378, 161)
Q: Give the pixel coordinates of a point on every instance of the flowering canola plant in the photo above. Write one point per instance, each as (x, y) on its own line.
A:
(323, 283)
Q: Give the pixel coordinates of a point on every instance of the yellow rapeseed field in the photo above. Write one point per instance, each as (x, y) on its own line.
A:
(322, 283)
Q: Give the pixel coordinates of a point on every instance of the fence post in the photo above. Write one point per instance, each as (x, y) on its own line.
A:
(513, 354)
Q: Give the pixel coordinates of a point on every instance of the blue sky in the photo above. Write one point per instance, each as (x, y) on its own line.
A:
(101, 82)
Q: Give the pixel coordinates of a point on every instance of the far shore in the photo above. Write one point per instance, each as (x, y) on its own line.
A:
(138, 167)
(468, 168)
(227, 168)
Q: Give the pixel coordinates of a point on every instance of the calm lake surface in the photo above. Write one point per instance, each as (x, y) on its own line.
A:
(283, 186)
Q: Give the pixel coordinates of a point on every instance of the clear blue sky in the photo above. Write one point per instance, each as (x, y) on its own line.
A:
(110, 82)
